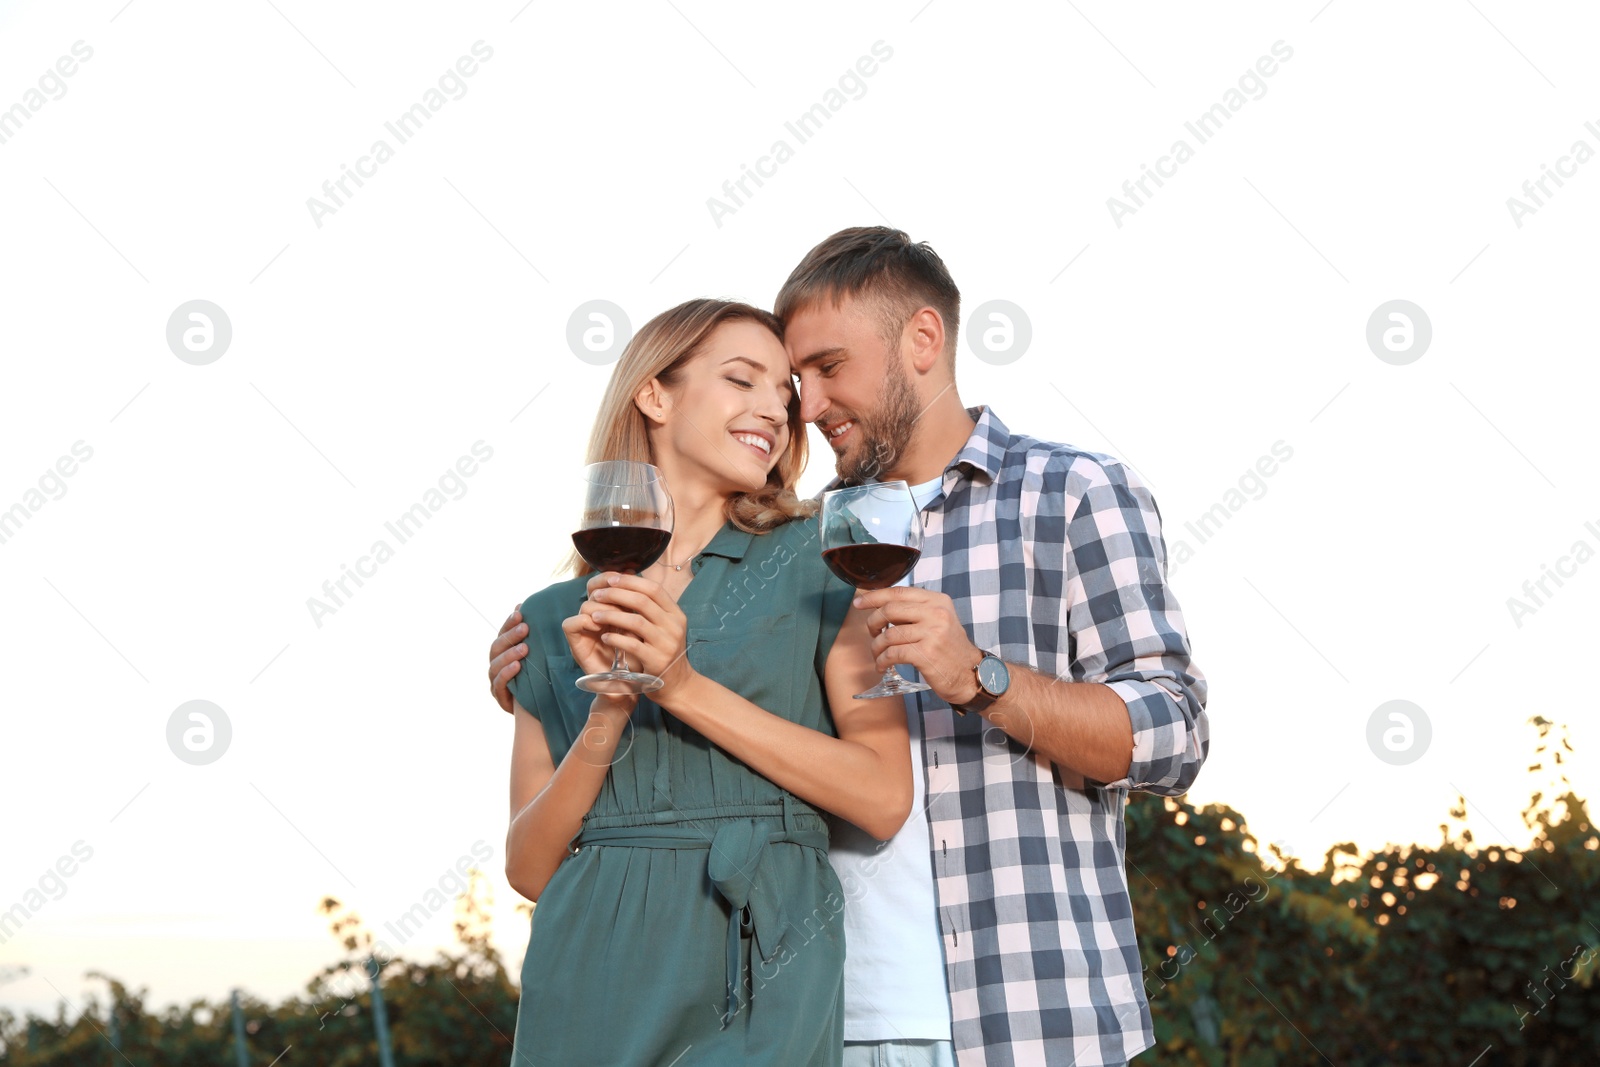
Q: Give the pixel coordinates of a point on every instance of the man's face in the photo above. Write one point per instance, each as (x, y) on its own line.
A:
(853, 386)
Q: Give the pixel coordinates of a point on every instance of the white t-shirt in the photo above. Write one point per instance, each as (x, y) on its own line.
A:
(894, 977)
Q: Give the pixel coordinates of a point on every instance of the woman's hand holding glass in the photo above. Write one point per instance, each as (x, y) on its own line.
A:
(626, 525)
(593, 656)
(638, 616)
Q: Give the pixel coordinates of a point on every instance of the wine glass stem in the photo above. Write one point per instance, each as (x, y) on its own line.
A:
(891, 674)
(619, 662)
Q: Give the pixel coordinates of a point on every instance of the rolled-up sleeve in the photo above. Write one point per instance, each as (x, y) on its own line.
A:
(1126, 629)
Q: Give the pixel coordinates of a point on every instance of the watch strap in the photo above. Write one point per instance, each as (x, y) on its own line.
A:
(981, 701)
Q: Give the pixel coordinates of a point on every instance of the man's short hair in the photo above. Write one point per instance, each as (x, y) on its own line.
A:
(883, 265)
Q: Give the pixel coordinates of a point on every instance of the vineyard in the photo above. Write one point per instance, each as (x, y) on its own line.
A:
(1448, 953)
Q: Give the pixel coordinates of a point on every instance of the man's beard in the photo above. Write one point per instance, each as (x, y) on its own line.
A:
(885, 435)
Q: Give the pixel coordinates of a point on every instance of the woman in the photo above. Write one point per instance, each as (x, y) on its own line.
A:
(695, 908)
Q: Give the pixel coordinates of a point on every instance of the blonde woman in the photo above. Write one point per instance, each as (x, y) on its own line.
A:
(675, 842)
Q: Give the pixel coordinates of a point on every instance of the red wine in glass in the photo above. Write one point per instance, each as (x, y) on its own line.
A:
(627, 523)
(629, 549)
(871, 566)
(871, 538)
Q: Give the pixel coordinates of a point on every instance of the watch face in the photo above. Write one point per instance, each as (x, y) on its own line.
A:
(993, 676)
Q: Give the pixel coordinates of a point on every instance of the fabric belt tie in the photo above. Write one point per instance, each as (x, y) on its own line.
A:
(737, 848)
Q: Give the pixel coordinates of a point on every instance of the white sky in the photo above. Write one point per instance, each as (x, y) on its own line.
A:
(429, 312)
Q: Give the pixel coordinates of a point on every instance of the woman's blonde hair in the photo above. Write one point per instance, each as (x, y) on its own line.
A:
(661, 349)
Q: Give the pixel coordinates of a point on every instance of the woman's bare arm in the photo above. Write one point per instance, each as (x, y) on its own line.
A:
(863, 775)
(548, 803)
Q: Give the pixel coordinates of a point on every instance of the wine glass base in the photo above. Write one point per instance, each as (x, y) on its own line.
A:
(619, 683)
(898, 687)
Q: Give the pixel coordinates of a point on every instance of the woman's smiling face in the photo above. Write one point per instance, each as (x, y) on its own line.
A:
(730, 409)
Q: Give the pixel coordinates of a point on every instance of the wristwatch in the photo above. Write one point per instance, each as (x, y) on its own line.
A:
(994, 678)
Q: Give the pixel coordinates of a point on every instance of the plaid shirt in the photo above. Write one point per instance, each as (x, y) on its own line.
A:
(1054, 559)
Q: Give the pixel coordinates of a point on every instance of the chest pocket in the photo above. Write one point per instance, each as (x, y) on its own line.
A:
(754, 656)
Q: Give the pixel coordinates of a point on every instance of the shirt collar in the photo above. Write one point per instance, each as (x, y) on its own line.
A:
(985, 450)
(730, 542)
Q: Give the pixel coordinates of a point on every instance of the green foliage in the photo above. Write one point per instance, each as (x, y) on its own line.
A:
(1451, 954)
(461, 1008)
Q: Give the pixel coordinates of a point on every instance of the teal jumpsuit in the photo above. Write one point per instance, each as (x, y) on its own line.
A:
(699, 916)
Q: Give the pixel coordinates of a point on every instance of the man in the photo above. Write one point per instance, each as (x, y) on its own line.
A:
(996, 924)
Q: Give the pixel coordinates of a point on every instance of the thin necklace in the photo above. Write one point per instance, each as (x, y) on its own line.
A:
(677, 566)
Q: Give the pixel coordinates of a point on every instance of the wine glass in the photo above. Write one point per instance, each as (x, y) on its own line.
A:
(627, 522)
(871, 538)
